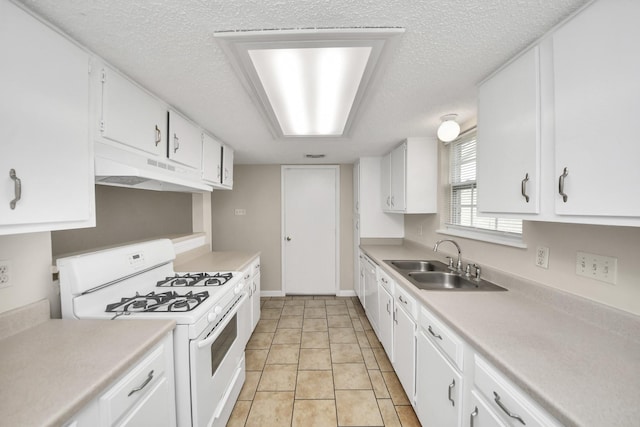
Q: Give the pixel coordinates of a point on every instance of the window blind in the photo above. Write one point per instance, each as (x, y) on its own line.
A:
(463, 202)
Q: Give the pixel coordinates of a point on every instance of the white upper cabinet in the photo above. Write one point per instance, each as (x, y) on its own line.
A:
(596, 63)
(509, 138)
(185, 141)
(227, 166)
(46, 165)
(409, 177)
(131, 116)
(211, 160)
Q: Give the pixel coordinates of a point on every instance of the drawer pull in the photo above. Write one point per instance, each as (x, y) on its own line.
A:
(144, 384)
(451, 386)
(473, 416)
(433, 333)
(496, 397)
(388, 311)
(17, 188)
(158, 135)
(565, 173)
(402, 300)
(523, 188)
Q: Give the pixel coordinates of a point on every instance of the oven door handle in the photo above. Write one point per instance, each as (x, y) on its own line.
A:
(211, 338)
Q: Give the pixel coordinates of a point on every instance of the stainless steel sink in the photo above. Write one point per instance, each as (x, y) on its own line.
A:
(436, 276)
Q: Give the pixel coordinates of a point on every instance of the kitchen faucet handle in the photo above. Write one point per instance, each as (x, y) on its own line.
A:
(450, 262)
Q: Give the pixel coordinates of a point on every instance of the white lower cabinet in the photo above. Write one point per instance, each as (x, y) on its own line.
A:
(255, 293)
(385, 320)
(404, 342)
(371, 293)
(439, 386)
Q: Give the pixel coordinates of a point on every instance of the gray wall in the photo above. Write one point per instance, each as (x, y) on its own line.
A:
(257, 189)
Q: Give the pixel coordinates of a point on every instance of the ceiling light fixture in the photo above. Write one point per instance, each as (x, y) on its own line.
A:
(449, 129)
(309, 83)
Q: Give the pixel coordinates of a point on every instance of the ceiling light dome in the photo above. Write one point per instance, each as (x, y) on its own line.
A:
(449, 129)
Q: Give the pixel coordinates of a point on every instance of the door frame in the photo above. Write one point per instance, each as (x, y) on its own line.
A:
(283, 169)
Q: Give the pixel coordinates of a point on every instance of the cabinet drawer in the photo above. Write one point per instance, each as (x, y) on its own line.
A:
(385, 281)
(255, 267)
(129, 390)
(406, 301)
(513, 405)
(447, 341)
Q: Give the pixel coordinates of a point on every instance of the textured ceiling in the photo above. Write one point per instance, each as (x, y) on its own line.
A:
(448, 47)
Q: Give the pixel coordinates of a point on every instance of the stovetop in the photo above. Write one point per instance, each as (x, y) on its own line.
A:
(169, 301)
(196, 279)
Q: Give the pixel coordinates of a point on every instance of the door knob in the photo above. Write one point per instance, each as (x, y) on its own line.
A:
(288, 239)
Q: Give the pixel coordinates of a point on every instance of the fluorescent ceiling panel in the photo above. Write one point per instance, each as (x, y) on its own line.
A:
(308, 83)
(311, 90)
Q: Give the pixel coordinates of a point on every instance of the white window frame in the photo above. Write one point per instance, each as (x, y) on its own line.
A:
(457, 179)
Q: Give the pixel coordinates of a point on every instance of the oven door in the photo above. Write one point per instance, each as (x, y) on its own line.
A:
(217, 364)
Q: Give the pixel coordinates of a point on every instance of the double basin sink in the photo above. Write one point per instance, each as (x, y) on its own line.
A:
(436, 276)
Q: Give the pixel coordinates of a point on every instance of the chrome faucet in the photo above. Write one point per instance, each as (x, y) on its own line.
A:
(459, 262)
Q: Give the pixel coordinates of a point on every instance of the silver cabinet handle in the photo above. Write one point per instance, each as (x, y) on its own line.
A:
(392, 201)
(523, 188)
(473, 416)
(451, 386)
(565, 173)
(404, 301)
(388, 200)
(388, 311)
(288, 239)
(395, 316)
(176, 143)
(433, 333)
(17, 188)
(144, 384)
(496, 397)
(158, 135)
(219, 173)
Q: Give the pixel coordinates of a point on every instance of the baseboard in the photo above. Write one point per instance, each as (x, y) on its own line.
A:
(347, 293)
(271, 293)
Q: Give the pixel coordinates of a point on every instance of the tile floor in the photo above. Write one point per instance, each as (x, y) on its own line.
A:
(315, 361)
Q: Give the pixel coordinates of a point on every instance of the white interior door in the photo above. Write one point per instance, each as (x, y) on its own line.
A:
(310, 232)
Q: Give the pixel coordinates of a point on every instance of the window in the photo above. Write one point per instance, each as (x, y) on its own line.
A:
(462, 209)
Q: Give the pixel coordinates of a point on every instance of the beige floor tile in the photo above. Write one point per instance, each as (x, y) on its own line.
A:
(335, 310)
(389, 414)
(283, 354)
(351, 376)
(395, 388)
(369, 358)
(363, 341)
(373, 339)
(266, 325)
(357, 326)
(314, 339)
(260, 340)
(301, 297)
(290, 322)
(239, 414)
(294, 303)
(311, 325)
(382, 359)
(315, 312)
(357, 408)
(337, 321)
(314, 413)
(271, 409)
(287, 336)
(314, 303)
(346, 353)
(337, 302)
(250, 386)
(274, 304)
(314, 385)
(278, 378)
(293, 310)
(255, 359)
(365, 322)
(407, 416)
(270, 313)
(342, 336)
(314, 359)
(353, 313)
(379, 386)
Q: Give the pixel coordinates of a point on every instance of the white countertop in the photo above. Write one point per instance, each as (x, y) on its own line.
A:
(50, 371)
(581, 372)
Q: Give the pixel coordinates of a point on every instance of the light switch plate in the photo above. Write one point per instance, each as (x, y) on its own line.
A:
(597, 267)
(542, 257)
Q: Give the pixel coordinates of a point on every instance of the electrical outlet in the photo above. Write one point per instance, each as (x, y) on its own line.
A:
(597, 267)
(5, 273)
(542, 257)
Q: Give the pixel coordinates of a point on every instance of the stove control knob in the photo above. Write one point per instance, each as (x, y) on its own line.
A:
(236, 291)
(217, 310)
(211, 317)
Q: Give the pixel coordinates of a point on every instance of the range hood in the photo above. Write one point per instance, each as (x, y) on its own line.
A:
(122, 168)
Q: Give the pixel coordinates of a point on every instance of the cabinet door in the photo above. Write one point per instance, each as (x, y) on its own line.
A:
(508, 151)
(227, 166)
(131, 116)
(481, 414)
(44, 117)
(371, 294)
(360, 289)
(385, 182)
(596, 67)
(398, 178)
(185, 141)
(385, 321)
(255, 301)
(404, 350)
(211, 160)
(438, 387)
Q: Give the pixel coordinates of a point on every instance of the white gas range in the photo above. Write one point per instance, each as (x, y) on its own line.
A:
(138, 281)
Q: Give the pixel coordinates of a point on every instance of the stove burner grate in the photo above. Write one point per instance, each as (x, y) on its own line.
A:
(169, 301)
(196, 279)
